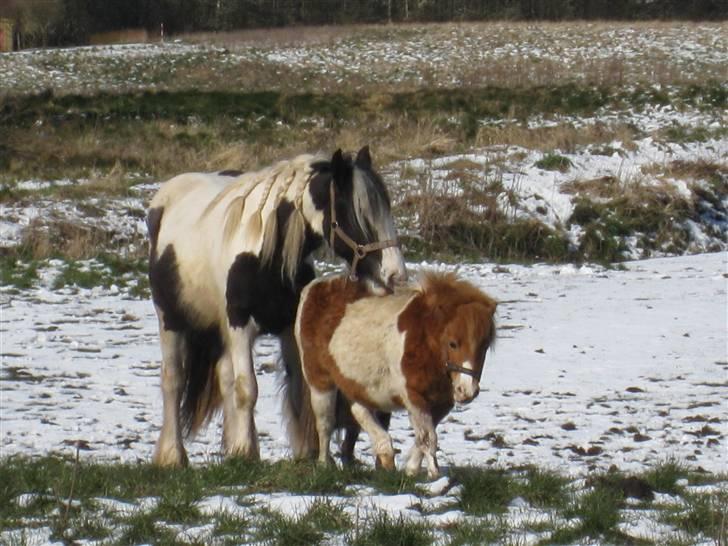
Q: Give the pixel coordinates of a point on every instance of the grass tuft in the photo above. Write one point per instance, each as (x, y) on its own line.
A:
(278, 529)
(554, 162)
(485, 490)
(381, 528)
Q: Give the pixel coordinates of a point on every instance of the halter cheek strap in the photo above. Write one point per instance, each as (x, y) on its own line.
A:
(360, 251)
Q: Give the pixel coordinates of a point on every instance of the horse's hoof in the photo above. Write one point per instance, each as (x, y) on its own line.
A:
(171, 459)
(385, 461)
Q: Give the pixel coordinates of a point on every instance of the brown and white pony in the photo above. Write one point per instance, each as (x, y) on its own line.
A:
(229, 255)
(421, 348)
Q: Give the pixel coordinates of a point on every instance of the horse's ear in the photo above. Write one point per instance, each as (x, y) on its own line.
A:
(363, 158)
(338, 166)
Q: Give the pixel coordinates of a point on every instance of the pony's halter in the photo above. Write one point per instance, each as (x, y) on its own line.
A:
(360, 251)
(450, 367)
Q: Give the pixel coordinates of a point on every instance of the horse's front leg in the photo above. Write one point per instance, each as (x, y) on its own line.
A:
(170, 450)
(241, 438)
(380, 438)
(425, 444)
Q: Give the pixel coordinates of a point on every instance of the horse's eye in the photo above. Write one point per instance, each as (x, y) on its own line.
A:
(453, 344)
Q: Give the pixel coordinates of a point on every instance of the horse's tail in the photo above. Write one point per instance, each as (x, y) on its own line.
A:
(201, 396)
(297, 409)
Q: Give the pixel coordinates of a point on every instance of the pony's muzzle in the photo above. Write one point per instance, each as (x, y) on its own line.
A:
(466, 393)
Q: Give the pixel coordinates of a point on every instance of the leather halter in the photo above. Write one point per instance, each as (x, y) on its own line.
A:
(360, 251)
(450, 367)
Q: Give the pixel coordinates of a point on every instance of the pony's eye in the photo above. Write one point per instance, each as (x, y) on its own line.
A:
(453, 344)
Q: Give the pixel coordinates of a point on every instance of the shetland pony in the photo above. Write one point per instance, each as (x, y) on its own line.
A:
(421, 348)
(229, 256)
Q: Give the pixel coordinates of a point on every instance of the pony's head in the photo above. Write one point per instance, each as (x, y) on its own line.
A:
(465, 341)
(356, 219)
(466, 330)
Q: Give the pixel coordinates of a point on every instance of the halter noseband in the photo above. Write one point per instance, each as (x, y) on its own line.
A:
(450, 367)
(360, 251)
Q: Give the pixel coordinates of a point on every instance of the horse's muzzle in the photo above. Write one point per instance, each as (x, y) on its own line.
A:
(464, 395)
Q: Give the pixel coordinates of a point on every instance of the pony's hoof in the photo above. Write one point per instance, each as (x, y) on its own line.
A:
(385, 461)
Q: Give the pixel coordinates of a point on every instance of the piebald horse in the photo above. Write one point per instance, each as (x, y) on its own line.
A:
(421, 348)
(229, 256)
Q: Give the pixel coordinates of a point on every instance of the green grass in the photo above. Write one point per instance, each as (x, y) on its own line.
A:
(172, 499)
(485, 490)
(702, 514)
(554, 162)
(543, 488)
(14, 271)
(282, 530)
(597, 513)
(382, 528)
(473, 533)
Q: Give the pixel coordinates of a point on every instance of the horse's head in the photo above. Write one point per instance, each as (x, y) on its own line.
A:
(357, 219)
(465, 340)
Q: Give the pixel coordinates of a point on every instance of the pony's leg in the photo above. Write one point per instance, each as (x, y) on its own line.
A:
(381, 441)
(352, 434)
(324, 409)
(169, 450)
(242, 439)
(425, 444)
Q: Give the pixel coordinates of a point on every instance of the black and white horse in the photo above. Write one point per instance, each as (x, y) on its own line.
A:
(229, 256)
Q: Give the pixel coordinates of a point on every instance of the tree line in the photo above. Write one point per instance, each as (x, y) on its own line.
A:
(65, 22)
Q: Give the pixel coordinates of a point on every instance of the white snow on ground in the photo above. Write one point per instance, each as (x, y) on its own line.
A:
(436, 55)
(593, 367)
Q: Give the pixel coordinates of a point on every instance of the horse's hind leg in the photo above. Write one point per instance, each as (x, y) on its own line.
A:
(324, 408)
(231, 423)
(169, 450)
(241, 394)
(381, 441)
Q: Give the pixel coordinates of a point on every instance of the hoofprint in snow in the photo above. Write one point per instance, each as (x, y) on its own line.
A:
(592, 368)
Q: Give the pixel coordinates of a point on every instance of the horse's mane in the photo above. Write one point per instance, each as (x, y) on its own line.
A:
(370, 201)
(446, 289)
(284, 179)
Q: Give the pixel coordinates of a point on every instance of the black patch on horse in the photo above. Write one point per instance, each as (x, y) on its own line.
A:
(261, 291)
(230, 172)
(203, 346)
(166, 286)
(154, 222)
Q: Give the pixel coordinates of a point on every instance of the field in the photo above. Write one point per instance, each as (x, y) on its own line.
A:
(578, 173)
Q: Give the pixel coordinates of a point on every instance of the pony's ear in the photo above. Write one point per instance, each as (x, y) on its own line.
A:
(338, 166)
(363, 159)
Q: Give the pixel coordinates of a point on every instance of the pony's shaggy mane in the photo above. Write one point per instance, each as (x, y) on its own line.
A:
(259, 218)
(446, 288)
